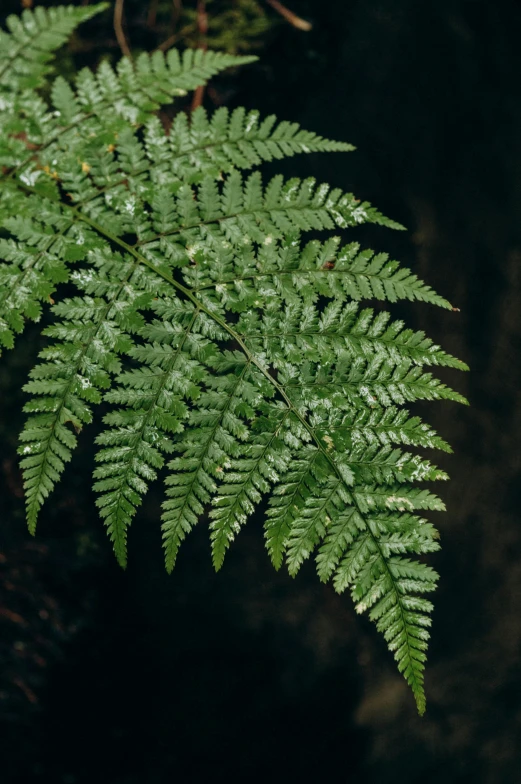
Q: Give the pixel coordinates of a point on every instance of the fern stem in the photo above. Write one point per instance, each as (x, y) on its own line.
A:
(276, 273)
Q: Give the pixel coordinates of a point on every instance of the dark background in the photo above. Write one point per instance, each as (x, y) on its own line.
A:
(124, 677)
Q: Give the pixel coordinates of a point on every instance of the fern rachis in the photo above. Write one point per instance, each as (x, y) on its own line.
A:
(236, 355)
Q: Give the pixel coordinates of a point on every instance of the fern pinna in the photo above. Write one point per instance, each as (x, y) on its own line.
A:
(235, 356)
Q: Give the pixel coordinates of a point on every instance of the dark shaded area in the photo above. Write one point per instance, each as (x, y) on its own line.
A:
(248, 673)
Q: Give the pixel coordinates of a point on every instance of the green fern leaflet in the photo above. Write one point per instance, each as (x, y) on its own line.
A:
(235, 357)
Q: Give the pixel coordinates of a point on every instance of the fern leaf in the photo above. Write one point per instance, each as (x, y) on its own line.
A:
(32, 39)
(219, 340)
(320, 268)
(155, 79)
(305, 473)
(104, 103)
(310, 333)
(384, 465)
(339, 537)
(206, 452)
(34, 264)
(155, 398)
(197, 145)
(388, 588)
(248, 477)
(360, 551)
(310, 526)
(363, 383)
(367, 275)
(247, 212)
(89, 337)
(396, 498)
(383, 426)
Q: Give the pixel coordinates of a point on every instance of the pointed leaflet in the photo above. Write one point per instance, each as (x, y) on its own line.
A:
(319, 268)
(90, 334)
(198, 145)
(154, 399)
(33, 38)
(257, 466)
(217, 425)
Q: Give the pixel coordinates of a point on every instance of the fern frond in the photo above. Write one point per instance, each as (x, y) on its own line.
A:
(314, 333)
(35, 263)
(155, 398)
(237, 213)
(320, 268)
(310, 525)
(388, 588)
(89, 336)
(138, 90)
(384, 465)
(367, 275)
(396, 498)
(198, 145)
(377, 426)
(249, 475)
(27, 48)
(205, 452)
(243, 212)
(363, 383)
(105, 103)
(359, 549)
(223, 346)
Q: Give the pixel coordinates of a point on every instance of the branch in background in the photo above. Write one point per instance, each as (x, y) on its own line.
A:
(173, 39)
(118, 28)
(152, 13)
(202, 28)
(177, 9)
(290, 17)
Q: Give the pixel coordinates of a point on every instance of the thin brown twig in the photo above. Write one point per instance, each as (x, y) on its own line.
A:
(152, 13)
(177, 10)
(202, 28)
(118, 28)
(171, 40)
(29, 693)
(289, 16)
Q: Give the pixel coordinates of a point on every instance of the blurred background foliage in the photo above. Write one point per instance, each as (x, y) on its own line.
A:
(121, 678)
